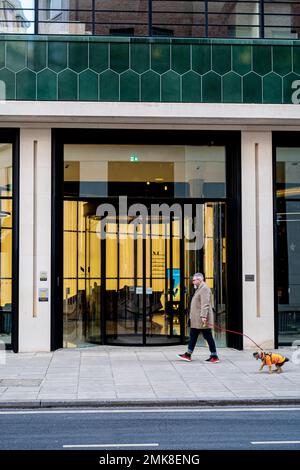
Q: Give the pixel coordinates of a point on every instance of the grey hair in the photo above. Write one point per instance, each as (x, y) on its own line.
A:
(199, 276)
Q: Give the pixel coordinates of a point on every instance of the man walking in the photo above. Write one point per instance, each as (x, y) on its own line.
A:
(201, 318)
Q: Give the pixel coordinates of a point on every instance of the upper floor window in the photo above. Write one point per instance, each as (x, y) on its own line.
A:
(178, 18)
(54, 8)
(6, 242)
(17, 16)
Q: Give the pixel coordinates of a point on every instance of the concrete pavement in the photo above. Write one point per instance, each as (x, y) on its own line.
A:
(118, 376)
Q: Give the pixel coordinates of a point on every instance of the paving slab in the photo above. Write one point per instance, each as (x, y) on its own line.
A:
(137, 376)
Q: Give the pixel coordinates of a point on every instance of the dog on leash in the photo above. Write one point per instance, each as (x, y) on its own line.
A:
(268, 359)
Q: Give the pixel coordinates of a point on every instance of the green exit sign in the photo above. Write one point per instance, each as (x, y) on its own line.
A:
(134, 158)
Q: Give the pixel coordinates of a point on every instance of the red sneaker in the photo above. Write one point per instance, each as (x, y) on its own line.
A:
(213, 359)
(185, 357)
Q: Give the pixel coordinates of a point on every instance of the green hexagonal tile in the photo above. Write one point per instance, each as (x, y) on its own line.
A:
(160, 57)
(78, 56)
(272, 88)
(16, 55)
(140, 57)
(252, 88)
(232, 88)
(221, 58)
(290, 92)
(241, 59)
(262, 59)
(170, 87)
(88, 86)
(211, 88)
(109, 86)
(201, 58)
(282, 59)
(68, 86)
(9, 78)
(26, 85)
(98, 56)
(119, 57)
(150, 86)
(47, 85)
(2, 54)
(57, 56)
(129, 86)
(191, 87)
(36, 55)
(181, 58)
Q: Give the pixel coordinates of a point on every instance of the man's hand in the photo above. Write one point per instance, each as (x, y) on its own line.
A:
(204, 322)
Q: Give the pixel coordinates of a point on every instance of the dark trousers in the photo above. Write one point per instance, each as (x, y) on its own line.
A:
(207, 335)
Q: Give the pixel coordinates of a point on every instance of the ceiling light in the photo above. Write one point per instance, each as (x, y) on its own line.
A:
(288, 192)
(4, 214)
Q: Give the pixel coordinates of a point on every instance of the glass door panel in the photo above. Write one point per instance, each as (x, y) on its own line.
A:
(124, 282)
(175, 269)
(156, 283)
(138, 275)
(93, 281)
(82, 289)
(72, 324)
(205, 252)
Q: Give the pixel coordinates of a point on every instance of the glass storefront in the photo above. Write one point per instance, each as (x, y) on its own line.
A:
(288, 243)
(6, 217)
(139, 220)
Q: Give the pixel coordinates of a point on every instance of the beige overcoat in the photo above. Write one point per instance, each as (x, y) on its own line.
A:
(201, 308)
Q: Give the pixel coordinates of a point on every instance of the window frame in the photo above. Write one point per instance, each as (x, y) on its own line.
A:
(12, 136)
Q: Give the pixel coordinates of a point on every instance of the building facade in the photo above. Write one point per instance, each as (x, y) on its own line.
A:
(140, 142)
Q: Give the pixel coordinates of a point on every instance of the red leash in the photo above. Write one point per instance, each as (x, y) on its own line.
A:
(235, 332)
